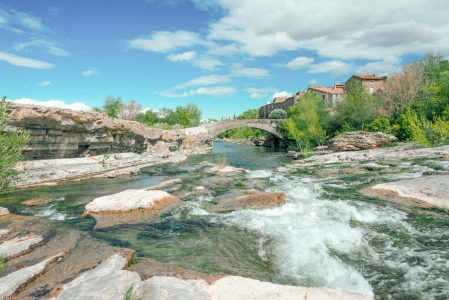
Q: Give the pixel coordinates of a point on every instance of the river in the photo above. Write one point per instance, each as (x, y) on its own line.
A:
(327, 234)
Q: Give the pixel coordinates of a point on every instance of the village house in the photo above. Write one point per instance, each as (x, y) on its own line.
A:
(371, 82)
(330, 95)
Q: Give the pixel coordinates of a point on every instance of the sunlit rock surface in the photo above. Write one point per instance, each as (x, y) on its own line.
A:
(64, 133)
(427, 191)
(130, 200)
(236, 288)
(106, 281)
(360, 140)
(225, 170)
(10, 283)
(19, 245)
(3, 211)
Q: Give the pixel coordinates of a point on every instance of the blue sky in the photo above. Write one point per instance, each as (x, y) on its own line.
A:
(224, 55)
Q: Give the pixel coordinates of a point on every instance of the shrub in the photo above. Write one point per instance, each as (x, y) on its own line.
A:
(11, 145)
(278, 114)
(380, 124)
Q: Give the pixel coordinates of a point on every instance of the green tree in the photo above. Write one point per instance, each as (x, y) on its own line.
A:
(306, 123)
(357, 110)
(148, 118)
(112, 106)
(278, 114)
(11, 146)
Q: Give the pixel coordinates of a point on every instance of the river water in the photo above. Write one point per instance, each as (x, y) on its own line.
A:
(327, 234)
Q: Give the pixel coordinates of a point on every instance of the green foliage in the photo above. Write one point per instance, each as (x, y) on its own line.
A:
(278, 114)
(381, 124)
(185, 116)
(410, 128)
(249, 114)
(357, 110)
(2, 261)
(306, 123)
(11, 146)
(112, 106)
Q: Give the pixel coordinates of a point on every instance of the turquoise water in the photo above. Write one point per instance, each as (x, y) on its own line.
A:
(327, 234)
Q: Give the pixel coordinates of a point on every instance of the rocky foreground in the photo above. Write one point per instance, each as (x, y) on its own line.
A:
(426, 191)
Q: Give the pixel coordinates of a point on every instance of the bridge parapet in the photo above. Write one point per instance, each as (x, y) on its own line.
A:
(268, 125)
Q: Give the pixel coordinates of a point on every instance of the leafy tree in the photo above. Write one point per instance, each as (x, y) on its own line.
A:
(148, 118)
(11, 146)
(306, 123)
(278, 114)
(410, 127)
(112, 106)
(249, 114)
(357, 110)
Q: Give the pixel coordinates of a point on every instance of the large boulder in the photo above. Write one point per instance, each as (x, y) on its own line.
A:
(130, 200)
(360, 140)
(251, 199)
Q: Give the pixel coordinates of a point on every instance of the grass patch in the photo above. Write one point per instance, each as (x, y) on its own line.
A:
(132, 294)
(2, 261)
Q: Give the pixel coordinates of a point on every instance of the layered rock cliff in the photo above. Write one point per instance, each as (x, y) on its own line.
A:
(63, 133)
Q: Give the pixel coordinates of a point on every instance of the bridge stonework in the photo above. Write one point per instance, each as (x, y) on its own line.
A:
(268, 125)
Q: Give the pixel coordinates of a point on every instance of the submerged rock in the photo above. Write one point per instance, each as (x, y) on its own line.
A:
(36, 201)
(19, 245)
(224, 170)
(360, 140)
(130, 200)
(165, 184)
(237, 288)
(427, 191)
(252, 199)
(11, 283)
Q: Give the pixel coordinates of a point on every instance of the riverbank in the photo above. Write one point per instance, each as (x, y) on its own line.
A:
(247, 212)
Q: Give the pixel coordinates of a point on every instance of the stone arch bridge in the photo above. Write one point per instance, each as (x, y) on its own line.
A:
(268, 125)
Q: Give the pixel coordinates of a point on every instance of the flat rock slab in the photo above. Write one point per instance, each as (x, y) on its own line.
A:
(236, 288)
(11, 283)
(3, 211)
(225, 170)
(4, 232)
(426, 191)
(360, 140)
(19, 245)
(129, 200)
(106, 281)
(165, 184)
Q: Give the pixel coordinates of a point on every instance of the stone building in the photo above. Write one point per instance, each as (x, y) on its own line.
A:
(371, 82)
(330, 95)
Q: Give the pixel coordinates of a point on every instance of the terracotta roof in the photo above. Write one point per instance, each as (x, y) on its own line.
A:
(369, 76)
(279, 99)
(324, 89)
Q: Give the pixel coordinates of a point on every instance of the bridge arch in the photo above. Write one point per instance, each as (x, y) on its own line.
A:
(267, 125)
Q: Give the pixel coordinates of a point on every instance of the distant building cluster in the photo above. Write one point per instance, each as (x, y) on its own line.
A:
(330, 95)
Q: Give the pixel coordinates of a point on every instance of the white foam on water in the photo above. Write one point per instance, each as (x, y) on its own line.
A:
(307, 232)
(260, 174)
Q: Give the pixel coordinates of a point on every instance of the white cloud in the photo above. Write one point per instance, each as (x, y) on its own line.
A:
(249, 72)
(281, 94)
(334, 67)
(313, 82)
(89, 73)
(359, 31)
(386, 66)
(216, 91)
(207, 63)
(184, 56)
(45, 83)
(205, 80)
(48, 46)
(163, 41)
(80, 106)
(24, 61)
(259, 93)
(299, 62)
(29, 21)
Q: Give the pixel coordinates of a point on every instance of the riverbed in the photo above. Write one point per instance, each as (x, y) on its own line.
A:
(327, 234)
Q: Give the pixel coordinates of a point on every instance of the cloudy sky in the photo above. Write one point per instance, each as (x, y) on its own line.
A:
(224, 55)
